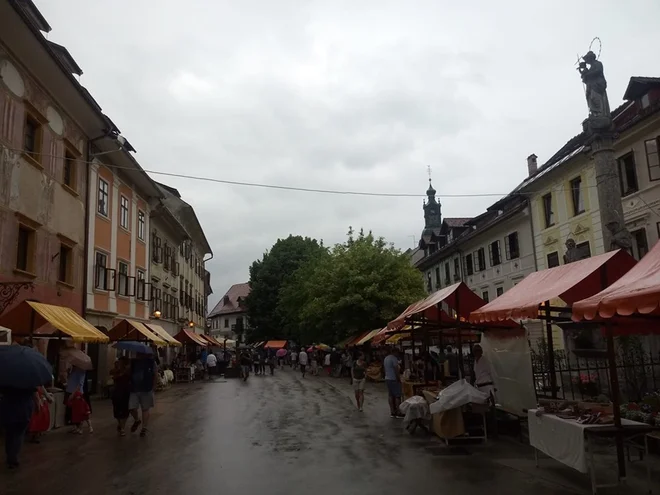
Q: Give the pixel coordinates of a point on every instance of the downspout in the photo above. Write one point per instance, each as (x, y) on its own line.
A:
(531, 226)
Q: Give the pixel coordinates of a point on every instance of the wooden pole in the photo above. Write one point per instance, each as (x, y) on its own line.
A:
(551, 351)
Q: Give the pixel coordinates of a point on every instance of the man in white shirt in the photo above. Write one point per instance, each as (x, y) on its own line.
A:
(211, 363)
(483, 380)
(302, 358)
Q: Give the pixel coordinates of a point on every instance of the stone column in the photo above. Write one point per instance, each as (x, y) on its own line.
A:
(600, 134)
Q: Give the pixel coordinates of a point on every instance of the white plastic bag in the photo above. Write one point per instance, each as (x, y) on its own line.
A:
(456, 395)
(415, 408)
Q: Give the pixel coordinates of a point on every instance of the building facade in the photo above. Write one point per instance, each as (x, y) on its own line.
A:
(228, 319)
(193, 282)
(47, 120)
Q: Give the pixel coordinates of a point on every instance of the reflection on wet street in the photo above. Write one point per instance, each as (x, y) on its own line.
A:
(271, 435)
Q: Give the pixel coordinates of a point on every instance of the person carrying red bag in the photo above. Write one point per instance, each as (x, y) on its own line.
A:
(40, 420)
(80, 412)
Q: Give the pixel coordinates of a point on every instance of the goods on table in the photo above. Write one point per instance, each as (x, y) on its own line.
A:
(645, 411)
(456, 395)
(586, 413)
(375, 372)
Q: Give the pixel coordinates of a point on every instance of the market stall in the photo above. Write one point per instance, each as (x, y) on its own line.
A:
(185, 369)
(552, 295)
(127, 329)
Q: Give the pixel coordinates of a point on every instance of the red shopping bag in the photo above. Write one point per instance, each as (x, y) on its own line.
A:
(40, 420)
(79, 408)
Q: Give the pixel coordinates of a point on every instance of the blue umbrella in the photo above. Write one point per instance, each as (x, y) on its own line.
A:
(23, 367)
(133, 346)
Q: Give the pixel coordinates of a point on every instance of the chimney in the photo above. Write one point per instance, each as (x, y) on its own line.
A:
(532, 166)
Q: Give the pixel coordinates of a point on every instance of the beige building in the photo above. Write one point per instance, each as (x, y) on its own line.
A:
(228, 319)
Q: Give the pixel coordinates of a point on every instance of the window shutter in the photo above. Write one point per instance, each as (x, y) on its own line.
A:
(490, 253)
(507, 246)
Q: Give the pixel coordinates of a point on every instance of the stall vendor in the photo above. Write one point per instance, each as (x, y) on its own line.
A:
(482, 378)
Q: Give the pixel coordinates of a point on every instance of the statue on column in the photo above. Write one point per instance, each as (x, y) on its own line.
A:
(593, 77)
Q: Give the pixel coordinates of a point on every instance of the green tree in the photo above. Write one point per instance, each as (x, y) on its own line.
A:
(359, 285)
(266, 278)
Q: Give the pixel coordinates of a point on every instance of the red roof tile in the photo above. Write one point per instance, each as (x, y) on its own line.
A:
(230, 303)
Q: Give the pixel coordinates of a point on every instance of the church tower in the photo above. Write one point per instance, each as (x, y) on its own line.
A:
(432, 210)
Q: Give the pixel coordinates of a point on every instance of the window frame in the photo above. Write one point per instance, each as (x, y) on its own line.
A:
(124, 279)
(623, 174)
(578, 202)
(485, 293)
(547, 259)
(481, 256)
(65, 264)
(499, 291)
(141, 224)
(124, 212)
(108, 273)
(507, 246)
(491, 253)
(648, 154)
(34, 156)
(103, 192)
(438, 278)
(637, 255)
(70, 158)
(447, 273)
(548, 214)
(30, 249)
(469, 264)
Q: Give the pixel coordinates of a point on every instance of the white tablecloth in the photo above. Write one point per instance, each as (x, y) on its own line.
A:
(561, 439)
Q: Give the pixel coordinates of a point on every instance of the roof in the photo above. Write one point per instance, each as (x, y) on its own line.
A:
(65, 57)
(230, 303)
(457, 222)
(570, 283)
(639, 85)
(638, 291)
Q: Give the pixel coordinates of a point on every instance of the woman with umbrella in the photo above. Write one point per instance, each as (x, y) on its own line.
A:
(121, 392)
(22, 370)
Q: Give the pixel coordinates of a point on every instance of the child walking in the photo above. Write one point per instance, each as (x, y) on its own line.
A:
(80, 413)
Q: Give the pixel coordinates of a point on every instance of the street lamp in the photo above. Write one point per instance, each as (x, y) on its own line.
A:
(157, 314)
(191, 324)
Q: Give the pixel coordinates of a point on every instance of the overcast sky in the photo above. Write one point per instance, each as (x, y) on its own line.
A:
(350, 95)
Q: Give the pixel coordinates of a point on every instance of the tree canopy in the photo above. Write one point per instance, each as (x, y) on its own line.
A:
(358, 285)
(266, 278)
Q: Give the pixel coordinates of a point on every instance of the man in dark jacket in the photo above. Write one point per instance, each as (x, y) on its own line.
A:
(16, 407)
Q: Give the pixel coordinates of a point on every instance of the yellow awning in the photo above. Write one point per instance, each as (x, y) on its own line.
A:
(394, 339)
(162, 333)
(128, 329)
(29, 316)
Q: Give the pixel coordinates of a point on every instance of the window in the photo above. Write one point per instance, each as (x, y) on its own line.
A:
(437, 276)
(226, 322)
(652, 161)
(141, 285)
(126, 283)
(69, 172)
(499, 291)
(104, 277)
(123, 212)
(103, 198)
(628, 174)
(65, 272)
(484, 296)
(141, 224)
(553, 259)
(547, 210)
(25, 249)
(640, 243)
(480, 260)
(469, 267)
(168, 257)
(511, 246)
(457, 269)
(239, 323)
(494, 253)
(447, 275)
(156, 249)
(32, 137)
(156, 300)
(576, 194)
(583, 250)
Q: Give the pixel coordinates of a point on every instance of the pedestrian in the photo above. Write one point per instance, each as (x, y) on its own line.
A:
(80, 412)
(302, 358)
(349, 365)
(359, 378)
(211, 364)
(144, 374)
(75, 382)
(16, 408)
(294, 360)
(315, 363)
(393, 381)
(271, 362)
(335, 362)
(121, 393)
(327, 365)
(245, 365)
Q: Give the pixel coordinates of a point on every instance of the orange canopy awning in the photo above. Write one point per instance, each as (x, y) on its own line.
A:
(459, 297)
(187, 337)
(636, 292)
(357, 338)
(128, 329)
(210, 339)
(275, 344)
(570, 283)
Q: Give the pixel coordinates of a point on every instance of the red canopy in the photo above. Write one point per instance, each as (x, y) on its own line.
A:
(638, 291)
(187, 337)
(570, 283)
(459, 297)
(275, 344)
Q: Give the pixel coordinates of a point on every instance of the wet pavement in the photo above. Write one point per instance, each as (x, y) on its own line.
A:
(271, 435)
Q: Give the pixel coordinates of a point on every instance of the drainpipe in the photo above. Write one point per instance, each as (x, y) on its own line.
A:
(531, 226)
